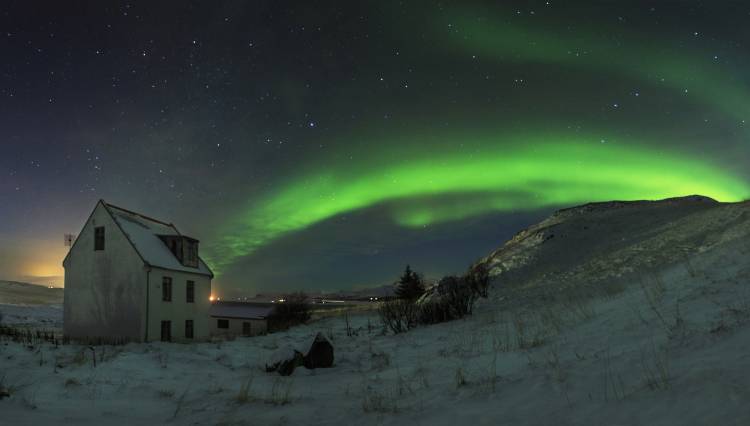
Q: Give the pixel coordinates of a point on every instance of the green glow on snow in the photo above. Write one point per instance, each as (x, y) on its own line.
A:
(439, 184)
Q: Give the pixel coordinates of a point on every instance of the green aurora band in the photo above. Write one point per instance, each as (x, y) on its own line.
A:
(697, 75)
(501, 174)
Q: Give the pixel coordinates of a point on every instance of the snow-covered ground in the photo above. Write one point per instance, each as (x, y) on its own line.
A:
(37, 316)
(668, 347)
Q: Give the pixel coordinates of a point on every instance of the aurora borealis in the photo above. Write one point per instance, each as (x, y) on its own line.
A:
(519, 174)
(324, 146)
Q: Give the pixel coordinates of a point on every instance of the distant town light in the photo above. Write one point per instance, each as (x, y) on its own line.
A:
(211, 298)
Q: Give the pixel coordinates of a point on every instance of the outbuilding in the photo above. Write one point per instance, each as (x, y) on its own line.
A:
(239, 318)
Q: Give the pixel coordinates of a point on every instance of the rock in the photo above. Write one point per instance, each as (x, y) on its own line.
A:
(320, 353)
(284, 361)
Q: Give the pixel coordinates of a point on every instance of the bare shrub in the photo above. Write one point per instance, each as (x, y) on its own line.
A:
(180, 402)
(398, 315)
(613, 383)
(294, 310)
(454, 299)
(281, 392)
(460, 378)
(243, 396)
(655, 365)
(478, 279)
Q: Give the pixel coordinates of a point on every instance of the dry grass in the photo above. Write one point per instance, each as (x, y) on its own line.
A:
(655, 368)
(280, 392)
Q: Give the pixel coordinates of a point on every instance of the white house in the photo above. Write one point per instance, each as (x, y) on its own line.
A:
(132, 277)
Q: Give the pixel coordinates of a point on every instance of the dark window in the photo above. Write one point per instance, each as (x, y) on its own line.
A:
(222, 323)
(191, 255)
(246, 329)
(99, 238)
(166, 331)
(190, 292)
(166, 289)
(188, 329)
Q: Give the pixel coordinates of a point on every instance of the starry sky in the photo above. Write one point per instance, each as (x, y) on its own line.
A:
(324, 145)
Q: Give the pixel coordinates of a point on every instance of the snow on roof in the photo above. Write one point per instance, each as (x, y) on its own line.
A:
(143, 232)
(240, 310)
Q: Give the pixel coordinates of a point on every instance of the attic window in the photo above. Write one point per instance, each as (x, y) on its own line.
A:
(99, 238)
(191, 255)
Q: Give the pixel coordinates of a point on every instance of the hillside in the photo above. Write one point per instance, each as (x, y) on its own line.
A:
(615, 242)
(12, 292)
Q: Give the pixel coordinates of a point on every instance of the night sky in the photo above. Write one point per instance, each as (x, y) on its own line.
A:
(323, 146)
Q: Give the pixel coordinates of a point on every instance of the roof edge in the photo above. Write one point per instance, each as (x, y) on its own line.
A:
(103, 203)
(138, 214)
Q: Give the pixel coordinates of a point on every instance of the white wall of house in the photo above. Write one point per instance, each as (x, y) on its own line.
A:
(104, 290)
(178, 310)
(257, 326)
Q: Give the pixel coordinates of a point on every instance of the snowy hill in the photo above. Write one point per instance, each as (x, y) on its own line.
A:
(615, 241)
(604, 314)
(12, 292)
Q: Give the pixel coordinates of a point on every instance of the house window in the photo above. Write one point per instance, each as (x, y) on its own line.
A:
(222, 323)
(190, 292)
(188, 329)
(191, 256)
(166, 331)
(99, 238)
(166, 289)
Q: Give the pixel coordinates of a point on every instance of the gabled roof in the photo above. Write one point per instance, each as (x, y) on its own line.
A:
(241, 310)
(143, 233)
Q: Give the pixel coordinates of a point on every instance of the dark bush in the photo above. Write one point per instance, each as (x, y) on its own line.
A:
(478, 279)
(453, 299)
(398, 315)
(294, 310)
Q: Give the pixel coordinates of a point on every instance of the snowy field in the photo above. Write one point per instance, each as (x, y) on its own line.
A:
(666, 348)
(36, 316)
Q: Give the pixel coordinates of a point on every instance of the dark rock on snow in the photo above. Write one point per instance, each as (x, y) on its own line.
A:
(319, 354)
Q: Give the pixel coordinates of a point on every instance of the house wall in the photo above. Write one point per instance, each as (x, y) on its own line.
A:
(257, 326)
(178, 310)
(104, 290)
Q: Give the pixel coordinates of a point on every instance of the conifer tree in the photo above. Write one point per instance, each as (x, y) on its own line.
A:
(410, 285)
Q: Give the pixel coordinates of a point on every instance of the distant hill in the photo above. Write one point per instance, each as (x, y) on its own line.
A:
(16, 293)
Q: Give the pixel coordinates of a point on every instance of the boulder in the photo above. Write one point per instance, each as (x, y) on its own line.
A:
(320, 353)
(284, 361)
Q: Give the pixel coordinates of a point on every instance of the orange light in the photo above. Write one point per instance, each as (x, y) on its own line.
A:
(211, 298)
